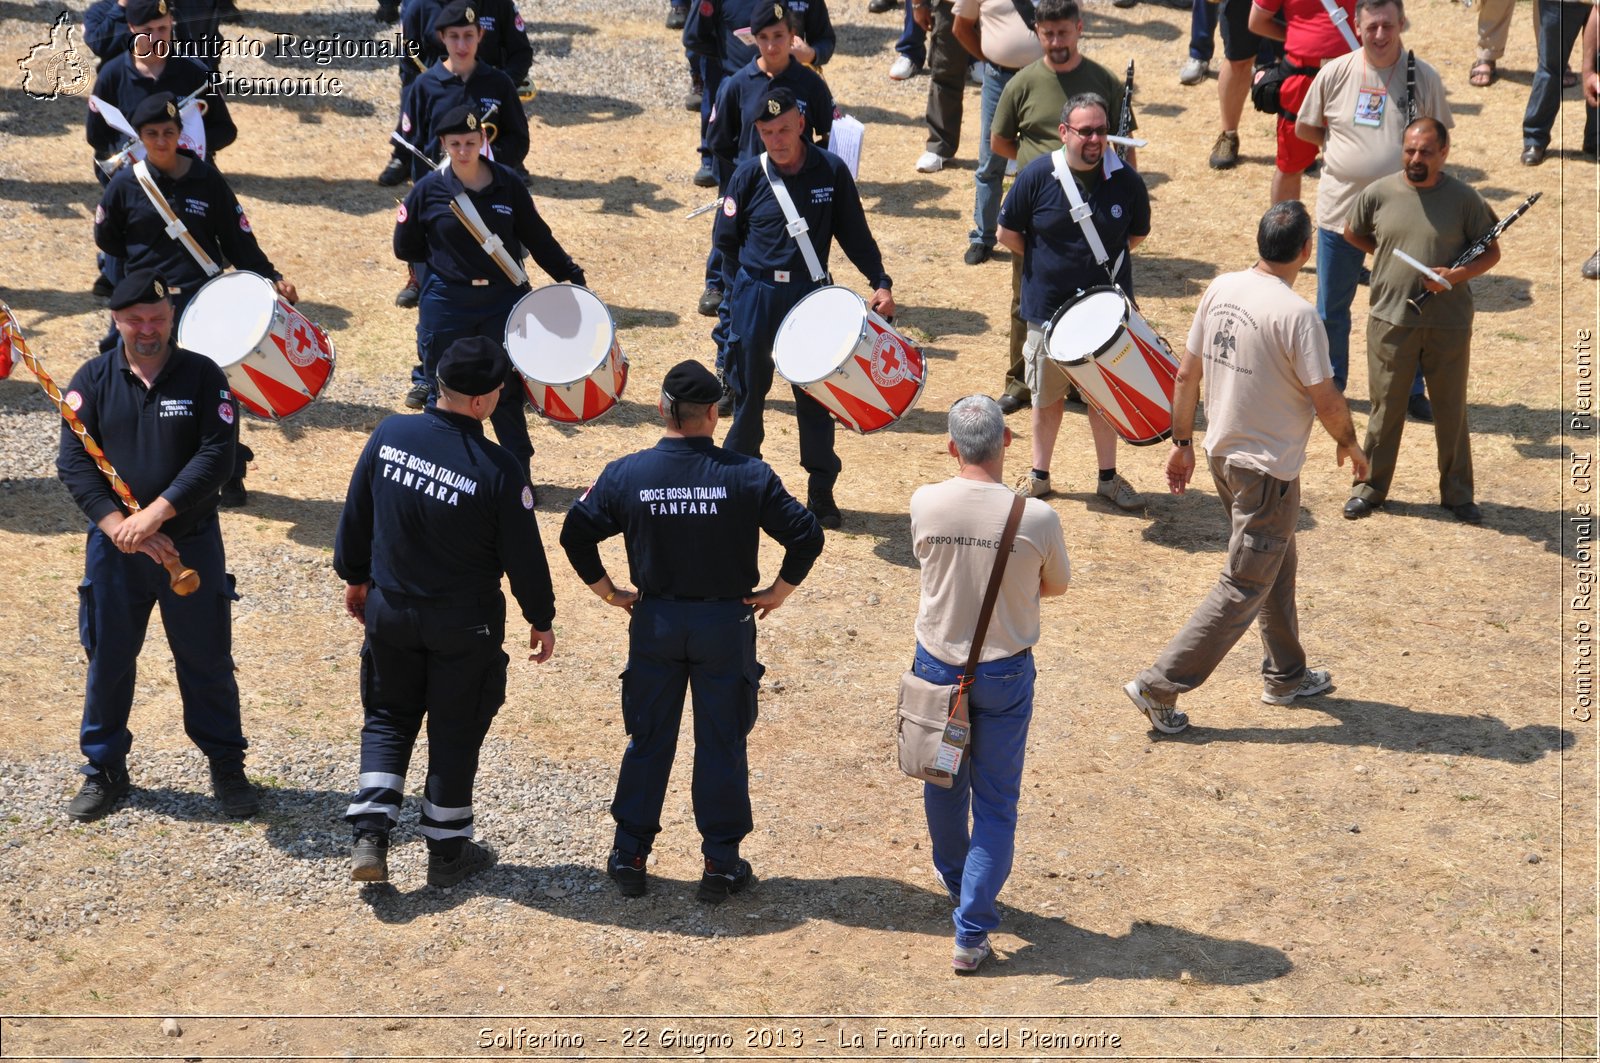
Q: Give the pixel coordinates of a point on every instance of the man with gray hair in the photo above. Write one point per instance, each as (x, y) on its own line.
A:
(956, 526)
(1270, 376)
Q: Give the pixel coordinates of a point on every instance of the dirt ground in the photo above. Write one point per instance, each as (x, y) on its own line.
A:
(1404, 868)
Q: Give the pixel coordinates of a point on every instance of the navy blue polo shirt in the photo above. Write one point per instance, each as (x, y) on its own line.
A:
(711, 25)
(120, 84)
(172, 440)
(504, 43)
(751, 229)
(128, 226)
(1057, 260)
(194, 30)
(437, 91)
(427, 230)
(437, 511)
(689, 513)
(733, 135)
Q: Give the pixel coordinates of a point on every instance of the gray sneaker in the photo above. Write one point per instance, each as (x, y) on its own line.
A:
(472, 859)
(1225, 152)
(1120, 493)
(1317, 681)
(966, 959)
(1164, 718)
(369, 857)
(1193, 71)
(1030, 486)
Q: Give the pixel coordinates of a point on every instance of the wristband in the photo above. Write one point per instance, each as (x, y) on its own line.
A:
(610, 596)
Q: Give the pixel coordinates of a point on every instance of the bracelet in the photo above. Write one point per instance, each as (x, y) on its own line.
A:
(1182, 442)
(611, 596)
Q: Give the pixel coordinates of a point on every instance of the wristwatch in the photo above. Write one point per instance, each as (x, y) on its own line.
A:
(1183, 442)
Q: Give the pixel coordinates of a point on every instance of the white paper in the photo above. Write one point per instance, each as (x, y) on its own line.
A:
(845, 142)
(1420, 268)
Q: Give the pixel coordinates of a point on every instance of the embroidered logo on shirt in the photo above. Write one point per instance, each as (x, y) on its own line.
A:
(527, 497)
(74, 400)
(729, 207)
(225, 411)
(1116, 210)
(400, 215)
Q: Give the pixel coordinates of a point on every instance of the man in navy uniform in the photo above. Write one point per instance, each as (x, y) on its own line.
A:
(435, 513)
(195, 29)
(676, 505)
(771, 275)
(164, 417)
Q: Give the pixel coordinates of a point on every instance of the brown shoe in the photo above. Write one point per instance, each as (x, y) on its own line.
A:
(1225, 152)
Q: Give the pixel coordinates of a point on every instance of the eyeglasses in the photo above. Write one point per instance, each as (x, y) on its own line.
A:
(1091, 132)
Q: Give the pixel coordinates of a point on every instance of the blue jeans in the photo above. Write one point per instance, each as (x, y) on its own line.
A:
(991, 173)
(1558, 25)
(1338, 273)
(1203, 15)
(975, 862)
(913, 42)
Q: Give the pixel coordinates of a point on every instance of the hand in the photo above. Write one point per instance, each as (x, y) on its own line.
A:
(1180, 468)
(543, 644)
(158, 547)
(765, 601)
(800, 50)
(922, 15)
(355, 600)
(882, 302)
(1358, 460)
(287, 290)
(624, 600)
(1591, 90)
(134, 529)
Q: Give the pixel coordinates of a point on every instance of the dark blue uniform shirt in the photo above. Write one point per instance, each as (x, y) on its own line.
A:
(710, 30)
(504, 43)
(173, 440)
(194, 30)
(437, 511)
(435, 92)
(428, 230)
(1057, 261)
(733, 135)
(751, 229)
(127, 226)
(122, 86)
(689, 512)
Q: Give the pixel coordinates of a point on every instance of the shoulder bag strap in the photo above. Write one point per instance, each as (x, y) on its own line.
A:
(1083, 214)
(466, 213)
(175, 229)
(1026, 13)
(990, 596)
(797, 225)
(1341, 22)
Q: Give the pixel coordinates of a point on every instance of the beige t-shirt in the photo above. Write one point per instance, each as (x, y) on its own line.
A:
(1346, 96)
(1006, 39)
(955, 529)
(1262, 346)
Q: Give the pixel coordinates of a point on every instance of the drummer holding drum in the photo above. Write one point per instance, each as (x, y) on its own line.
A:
(471, 223)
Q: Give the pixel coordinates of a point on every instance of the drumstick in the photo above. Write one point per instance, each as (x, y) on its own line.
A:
(1420, 268)
(1126, 142)
(713, 205)
(185, 580)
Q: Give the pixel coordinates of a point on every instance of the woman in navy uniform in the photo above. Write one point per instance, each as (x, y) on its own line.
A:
(164, 417)
(434, 514)
(466, 292)
(690, 514)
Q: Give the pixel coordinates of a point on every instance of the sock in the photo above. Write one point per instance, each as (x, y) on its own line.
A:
(1041, 474)
(1107, 475)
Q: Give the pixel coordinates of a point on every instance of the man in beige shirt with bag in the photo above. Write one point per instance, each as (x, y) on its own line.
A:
(956, 527)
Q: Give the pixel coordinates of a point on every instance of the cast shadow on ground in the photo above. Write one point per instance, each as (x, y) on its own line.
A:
(868, 39)
(870, 115)
(1171, 278)
(1155, 110)
(62, 200)
(347, 195)
(906, 199)
(571, 109)
(1107, 31)
(916, 419)
(1379, 725)
(312, 520)
(309, 108)
(937, 322)
(37, 505)
(642, 317)
(23, 116)
(328, 413)
(37, 303)
(621, 195)
(1193, 522)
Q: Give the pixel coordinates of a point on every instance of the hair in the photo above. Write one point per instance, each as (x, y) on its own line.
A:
(680, 414)
(978, 429)
(1440, 133)
(1283, 231)
(1373, 5)
(1057, 11)
(1085, 99)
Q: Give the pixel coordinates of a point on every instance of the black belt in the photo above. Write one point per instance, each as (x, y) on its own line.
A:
(1005, 69)
(652, 596)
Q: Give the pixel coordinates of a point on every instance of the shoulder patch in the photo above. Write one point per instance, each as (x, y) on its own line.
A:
(400, 214)
(100, 214)
(405, 122)
(729, 207)
(706, 8)
(527, 497)
(74, 400)
(225, 411)
(244, 222)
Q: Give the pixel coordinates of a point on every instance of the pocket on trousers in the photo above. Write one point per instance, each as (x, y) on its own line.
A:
(230, 587)
(86, 618)
(633, 721)
(1257, 559)
(752, 679)
(492, 695)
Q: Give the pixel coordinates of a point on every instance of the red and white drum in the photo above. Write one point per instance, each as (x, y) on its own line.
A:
(1117, 361)
(850, 359)
(562, 340)
(277, 361)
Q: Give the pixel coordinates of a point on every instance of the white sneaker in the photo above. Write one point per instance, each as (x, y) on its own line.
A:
(975, 73)
(1030, 486)
(902, 68)
(1193, 71)
(930, 162)
(1317, 681)
(1164, 718)
(1119, 493)
(967, 960)
(1011, 167)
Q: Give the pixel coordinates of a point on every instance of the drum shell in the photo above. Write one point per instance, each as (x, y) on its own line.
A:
(583, 398)
(878, 380)
(1129, 376)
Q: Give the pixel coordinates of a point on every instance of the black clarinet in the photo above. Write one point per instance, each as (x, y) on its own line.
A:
(1125, 120)
(1479, 246)
(1411, 86)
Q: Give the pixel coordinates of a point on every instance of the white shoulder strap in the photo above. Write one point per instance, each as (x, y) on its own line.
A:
(176, 230)
(1341, 22)
(797, 225)
(1083, 214)
(495, 247)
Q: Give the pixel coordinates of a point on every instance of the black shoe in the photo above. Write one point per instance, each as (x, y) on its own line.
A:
(717, 886)
(878, 7)
(1532, 155)
(1466, 512)
(677, 16)
(725, 403)
(388, 11)
(1591, 268)
(417, 397)
(98, 795)
(710, 300)
(235, 793)
(1356, 508)
(233, 494)
(825, 510)
(472, 859)
(628, 873)
(394, 173)
(705, 177)
(1419, 407)
(977, 254)
(369, 857)
(692, 99)
(1010, 404)
(407, 297)
(102, 287)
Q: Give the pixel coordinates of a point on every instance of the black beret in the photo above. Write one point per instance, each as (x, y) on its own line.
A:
(160, 107)
(144, 12)
(767, 14)
(775, 103)
(473, 366)
(691, 382)
(140, 286)
(462, 119)
(455, 13)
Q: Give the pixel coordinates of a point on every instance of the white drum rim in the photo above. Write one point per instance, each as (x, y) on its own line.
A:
(604, 309)
(218, 281)
(1109, 342)
(865, 310)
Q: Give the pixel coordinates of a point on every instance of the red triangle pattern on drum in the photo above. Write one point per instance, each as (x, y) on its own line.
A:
(1160, 367)
(1137, 408)
(557, 410)
(595, 401)
(854, 412)
(283, 400)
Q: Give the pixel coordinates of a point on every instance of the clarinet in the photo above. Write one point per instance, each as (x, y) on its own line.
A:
(1479, 246)
(1411, 86)
(1125, 120)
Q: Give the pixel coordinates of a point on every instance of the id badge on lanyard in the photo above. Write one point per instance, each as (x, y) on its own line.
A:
(1369, 107)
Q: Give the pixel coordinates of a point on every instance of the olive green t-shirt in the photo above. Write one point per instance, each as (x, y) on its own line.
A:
(1433, 226)
(1029, 111)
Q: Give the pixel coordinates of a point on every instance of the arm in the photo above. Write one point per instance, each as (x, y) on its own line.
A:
(1334, 414)
(513, 140)
(818, 37)
(1004, 147)
(966, 34)
(1055, 575)
(589, 523)
(1264, 23)
(515, 49)
(1311, 134)
(1591, 43)
(1185, 397)
(922, 15)
(793, 526)
(727, 232)
(110, 235)
(1010, 239)
(1458, 275)
(106, 35)
(75, 469)
(352, 539)
(410, 236)
(722, 133)
(220, 130)
(1355, 239)
(522, 558)
(231, 230)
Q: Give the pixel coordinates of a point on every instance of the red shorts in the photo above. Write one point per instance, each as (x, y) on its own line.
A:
(1294, 154)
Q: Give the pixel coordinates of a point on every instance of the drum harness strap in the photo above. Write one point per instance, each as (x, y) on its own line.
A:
(1083, 214)
(176, 230)
(1341, 22)
(472, 221)
(797, 225)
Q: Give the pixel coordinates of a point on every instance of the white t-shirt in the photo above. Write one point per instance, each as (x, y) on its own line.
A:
(1262, 346)
(1007, 41)
(955, 530)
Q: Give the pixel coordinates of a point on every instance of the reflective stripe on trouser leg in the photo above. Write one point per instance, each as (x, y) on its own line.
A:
(439, 822)
(377, 793)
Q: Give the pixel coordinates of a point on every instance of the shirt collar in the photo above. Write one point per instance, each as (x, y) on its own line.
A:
(457, 420)
(684, 443)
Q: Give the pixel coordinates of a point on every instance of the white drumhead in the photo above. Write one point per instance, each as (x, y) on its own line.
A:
(1085, 326)
(818, 334)
(558, 334)
(228, 317)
